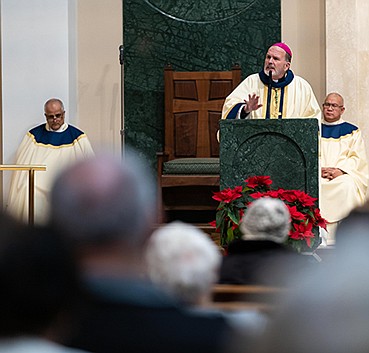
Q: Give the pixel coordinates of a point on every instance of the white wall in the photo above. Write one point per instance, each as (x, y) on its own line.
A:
(37, 59)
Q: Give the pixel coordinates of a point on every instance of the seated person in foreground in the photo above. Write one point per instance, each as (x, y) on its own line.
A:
(38, 281)
(107, 215)
(260, 257)
(331, 304)
(185, 262)
(344, 172)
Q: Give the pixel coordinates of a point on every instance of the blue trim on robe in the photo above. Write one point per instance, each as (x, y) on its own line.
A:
(233, 112)
(337, 131)
(53, 138)
(282, 82)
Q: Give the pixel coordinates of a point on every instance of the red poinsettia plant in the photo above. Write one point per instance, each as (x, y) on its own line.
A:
(305, 215)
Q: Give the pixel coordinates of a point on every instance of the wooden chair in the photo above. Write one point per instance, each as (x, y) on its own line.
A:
(188, 167)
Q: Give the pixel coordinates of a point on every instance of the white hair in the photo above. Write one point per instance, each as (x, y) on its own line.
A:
(266, 219)
(183, 261)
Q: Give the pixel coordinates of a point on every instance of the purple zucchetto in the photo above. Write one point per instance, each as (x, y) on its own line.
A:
(285, 47)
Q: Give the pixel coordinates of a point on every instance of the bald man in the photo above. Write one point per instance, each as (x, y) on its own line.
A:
(55, 144)
(106, 209)
(344, 166)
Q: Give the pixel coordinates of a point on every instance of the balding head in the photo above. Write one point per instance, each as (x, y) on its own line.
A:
(333, 107)
(336, 95)
(103, 200)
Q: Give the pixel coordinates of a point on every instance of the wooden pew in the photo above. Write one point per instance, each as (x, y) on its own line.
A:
(244, 297)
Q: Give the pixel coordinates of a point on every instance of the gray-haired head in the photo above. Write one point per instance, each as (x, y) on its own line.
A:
(266, 219)
(52, 101)
(104, 199)
(184, 261)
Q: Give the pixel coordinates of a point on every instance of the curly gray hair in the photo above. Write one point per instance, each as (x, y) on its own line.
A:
(266, 219)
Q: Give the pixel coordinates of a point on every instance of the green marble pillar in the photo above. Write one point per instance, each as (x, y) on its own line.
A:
(192, 35)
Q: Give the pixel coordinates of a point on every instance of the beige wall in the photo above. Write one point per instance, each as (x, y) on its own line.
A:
(99, 35)
(348, 58)
(303, 28)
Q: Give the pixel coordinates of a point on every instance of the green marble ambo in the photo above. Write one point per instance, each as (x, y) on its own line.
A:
(284, 149)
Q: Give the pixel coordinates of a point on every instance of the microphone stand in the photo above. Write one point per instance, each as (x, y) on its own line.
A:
(267, 113)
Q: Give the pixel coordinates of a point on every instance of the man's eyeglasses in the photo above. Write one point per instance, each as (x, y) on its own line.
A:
(333, 105)
(54, 116)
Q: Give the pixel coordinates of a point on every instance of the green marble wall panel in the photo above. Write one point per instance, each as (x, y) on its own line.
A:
(192, 35)
(286, 150)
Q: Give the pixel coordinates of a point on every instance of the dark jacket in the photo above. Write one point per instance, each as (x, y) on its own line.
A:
(261, 262)
(131, 316)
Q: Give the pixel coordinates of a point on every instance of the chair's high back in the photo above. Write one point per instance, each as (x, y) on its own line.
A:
(188, 167)
(193, 106)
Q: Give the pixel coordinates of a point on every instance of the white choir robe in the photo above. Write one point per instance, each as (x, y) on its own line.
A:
(342, 147)
(56, 150)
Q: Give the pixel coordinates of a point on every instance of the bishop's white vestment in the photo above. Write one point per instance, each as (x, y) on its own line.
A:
(290, 97)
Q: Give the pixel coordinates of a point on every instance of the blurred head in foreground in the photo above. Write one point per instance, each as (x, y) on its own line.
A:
(327, 310)
(38, 279)
(105, 206)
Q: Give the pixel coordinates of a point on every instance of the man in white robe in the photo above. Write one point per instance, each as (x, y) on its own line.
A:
(54, 144)
(344, 166)
(273, 93)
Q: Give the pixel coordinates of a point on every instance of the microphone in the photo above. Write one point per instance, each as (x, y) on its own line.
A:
(267, 113)
(121, 54)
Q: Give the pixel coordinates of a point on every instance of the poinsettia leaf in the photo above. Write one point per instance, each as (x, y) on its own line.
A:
(230, 235)
(220, 215)
(234, 216)
(239, 204)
